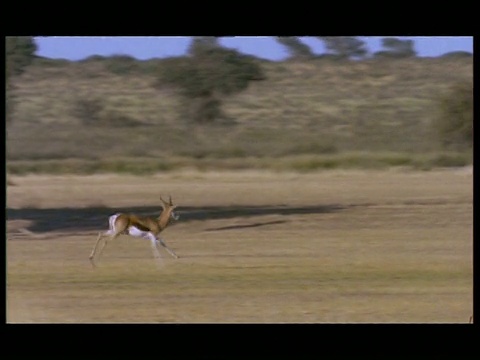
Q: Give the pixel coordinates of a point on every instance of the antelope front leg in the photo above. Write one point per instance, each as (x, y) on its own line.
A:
(170, 251)
(153, 241)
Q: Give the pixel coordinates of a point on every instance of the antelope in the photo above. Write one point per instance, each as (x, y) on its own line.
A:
(142, 227)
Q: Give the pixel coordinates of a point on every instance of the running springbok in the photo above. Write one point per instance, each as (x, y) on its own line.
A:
(137, 226)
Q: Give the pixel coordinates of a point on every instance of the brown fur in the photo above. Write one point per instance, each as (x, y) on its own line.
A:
(124, 221)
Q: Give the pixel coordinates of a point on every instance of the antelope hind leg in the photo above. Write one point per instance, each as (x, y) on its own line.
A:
(94, 250)
(113, 237)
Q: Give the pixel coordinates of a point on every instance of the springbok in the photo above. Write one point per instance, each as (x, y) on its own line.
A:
(143, 227)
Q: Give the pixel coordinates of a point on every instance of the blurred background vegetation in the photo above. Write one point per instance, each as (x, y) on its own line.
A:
(217, 108)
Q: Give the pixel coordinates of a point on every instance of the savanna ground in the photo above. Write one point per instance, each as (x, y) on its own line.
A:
(342, 246)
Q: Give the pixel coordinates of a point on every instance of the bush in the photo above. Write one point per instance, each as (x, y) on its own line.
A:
(320, 147)
(457, 55)
(207, 110)
(10, 102)
(115, 118)
(450, 160)
(454, 124)
(87, 109)
(121, 64)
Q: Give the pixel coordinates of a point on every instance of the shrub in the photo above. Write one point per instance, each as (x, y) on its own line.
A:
(457, 55)
(121, 64)
(450, 160)
(87, 109)
(115, 118)
(454, 124)
(320, 147)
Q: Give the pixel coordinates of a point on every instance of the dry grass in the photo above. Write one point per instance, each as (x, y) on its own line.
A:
(339, 246)
(360, 106)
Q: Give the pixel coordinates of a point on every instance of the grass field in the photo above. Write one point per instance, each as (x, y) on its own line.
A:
(255, 247)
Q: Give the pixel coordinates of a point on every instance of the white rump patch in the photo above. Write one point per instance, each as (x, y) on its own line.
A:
(111, 221)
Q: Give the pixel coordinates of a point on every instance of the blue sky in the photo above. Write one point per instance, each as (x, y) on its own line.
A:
(142, 48)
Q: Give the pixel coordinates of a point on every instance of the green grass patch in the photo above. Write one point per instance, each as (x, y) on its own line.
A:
(299, 163)
(85, 167)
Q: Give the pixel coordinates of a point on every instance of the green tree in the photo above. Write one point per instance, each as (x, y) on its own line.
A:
(345, 47)
(397, 48)
(19, 53)
(203, 43)
(454, 125)
(295, 47)
(207, 75)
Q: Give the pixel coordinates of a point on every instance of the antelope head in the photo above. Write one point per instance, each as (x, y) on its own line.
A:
(168, 209)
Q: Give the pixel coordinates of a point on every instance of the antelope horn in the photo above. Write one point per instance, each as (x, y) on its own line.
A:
(163, 200)
(170, 199)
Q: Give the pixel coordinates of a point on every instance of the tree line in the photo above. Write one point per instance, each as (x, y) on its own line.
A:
(209, 73)
(347, 47)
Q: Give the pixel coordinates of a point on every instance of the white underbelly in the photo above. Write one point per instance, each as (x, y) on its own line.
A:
(136, 232)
